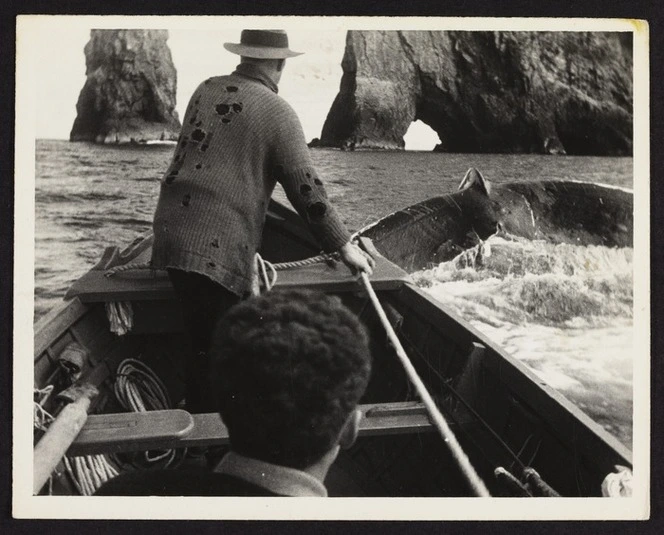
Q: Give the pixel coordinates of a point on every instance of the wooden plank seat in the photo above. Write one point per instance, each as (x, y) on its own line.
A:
(140, 431)
(132, 431)
(95, 286)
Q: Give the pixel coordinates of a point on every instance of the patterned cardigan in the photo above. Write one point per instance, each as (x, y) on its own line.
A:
(238, 139)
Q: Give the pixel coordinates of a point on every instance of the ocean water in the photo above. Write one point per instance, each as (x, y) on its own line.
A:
(566, 311)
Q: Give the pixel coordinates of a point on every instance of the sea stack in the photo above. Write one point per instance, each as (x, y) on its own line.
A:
(524, 92)
(129, 94)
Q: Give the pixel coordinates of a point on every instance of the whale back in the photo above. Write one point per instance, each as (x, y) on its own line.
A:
(438, 229)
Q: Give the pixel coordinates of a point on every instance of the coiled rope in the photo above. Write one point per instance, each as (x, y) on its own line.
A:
(138, 388)
(476, 483)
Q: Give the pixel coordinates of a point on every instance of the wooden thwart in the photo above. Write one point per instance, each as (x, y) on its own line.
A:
(139, 431)
(132, 431)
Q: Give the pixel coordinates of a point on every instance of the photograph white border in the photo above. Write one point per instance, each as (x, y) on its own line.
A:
(25, 505)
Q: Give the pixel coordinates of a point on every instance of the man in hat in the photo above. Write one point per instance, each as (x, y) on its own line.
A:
(238, 139)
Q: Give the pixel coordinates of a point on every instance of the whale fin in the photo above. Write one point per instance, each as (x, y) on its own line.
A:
(474, 179)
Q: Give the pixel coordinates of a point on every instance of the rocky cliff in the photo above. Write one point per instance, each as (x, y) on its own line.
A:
(129, 94)
(542, 92)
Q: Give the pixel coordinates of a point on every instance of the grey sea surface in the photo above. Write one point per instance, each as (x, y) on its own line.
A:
(575, 331)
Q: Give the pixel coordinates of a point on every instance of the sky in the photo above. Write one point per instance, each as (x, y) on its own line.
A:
(310, 82)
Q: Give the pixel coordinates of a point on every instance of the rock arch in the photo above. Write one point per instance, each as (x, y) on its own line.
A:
(546, 92)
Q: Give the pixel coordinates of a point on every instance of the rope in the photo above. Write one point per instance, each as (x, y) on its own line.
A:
(307, 261)
(89, 472)
(138, 388)
(41, 417)
(126, 267)
(478, 486)
(279, 267)
(270, 279)
(262, 267)
(120, 316)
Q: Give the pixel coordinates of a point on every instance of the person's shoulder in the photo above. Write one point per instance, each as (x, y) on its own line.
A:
(213, 83)
(179, 483)
(281, 110)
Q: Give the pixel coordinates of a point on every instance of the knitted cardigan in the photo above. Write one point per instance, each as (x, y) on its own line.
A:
(238, 139)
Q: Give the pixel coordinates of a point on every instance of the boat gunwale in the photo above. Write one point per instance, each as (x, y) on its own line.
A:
(56, 322)
(413, 297)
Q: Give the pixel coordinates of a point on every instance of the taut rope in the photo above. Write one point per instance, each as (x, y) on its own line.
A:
(270, 279)
(476, 483)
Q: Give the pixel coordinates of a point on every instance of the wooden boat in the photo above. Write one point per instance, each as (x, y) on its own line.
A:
(503, 415)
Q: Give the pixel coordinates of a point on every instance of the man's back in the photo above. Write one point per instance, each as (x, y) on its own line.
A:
(238, 139)
(211, 193)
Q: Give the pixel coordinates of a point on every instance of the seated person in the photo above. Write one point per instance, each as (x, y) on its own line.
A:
(288, 370)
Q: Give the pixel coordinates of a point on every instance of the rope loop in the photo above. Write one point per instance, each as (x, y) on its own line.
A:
(139, 389)
(261, 269)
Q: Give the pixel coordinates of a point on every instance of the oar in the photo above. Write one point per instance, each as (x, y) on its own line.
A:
(437, 419)
(61, 433)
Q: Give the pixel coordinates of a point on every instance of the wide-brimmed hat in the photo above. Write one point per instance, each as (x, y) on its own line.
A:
(262, 44)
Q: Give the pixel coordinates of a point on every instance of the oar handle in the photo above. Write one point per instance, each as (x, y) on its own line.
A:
(435, 415)
(52, 447)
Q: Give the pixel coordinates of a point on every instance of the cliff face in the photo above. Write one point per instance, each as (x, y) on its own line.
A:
(542, 92)
(129, 94)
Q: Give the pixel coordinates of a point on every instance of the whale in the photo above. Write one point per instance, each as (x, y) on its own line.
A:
(558, 211)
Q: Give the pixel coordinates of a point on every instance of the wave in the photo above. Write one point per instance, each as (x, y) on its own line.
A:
(564, 310)
(92, 222)
(83, 196)
(155, 178)
(523, 280)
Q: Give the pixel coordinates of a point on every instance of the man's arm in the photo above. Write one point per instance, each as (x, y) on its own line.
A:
(293, 168)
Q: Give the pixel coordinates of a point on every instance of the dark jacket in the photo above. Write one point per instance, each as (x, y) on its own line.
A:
(180, 483)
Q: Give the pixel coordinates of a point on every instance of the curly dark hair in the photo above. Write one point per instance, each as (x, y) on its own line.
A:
(288, 369)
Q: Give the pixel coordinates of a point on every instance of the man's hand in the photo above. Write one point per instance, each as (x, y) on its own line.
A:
(357, 259)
